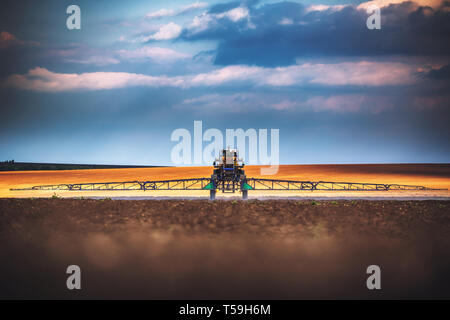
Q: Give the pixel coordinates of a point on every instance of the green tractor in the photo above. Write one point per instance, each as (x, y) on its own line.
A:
(228, 175)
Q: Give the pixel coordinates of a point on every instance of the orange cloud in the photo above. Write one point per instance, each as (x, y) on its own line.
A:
(8, 40)
(384, 3)
(363, 73)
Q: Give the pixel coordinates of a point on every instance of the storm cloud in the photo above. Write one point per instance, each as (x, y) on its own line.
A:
(276, 34)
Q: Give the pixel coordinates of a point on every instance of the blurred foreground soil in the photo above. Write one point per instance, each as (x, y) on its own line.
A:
(182, 249)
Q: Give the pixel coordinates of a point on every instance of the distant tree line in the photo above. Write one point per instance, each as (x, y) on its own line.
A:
(11, 165)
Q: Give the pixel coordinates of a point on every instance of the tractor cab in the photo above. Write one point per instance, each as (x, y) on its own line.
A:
(228, 173)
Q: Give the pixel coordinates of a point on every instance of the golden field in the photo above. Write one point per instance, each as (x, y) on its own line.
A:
(429, 175)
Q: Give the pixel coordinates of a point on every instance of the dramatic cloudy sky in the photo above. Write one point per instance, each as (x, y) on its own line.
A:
(114, 91)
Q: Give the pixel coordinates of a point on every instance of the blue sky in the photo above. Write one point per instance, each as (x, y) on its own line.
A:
(114, 91)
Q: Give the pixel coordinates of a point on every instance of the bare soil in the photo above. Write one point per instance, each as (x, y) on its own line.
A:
(278, 249)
